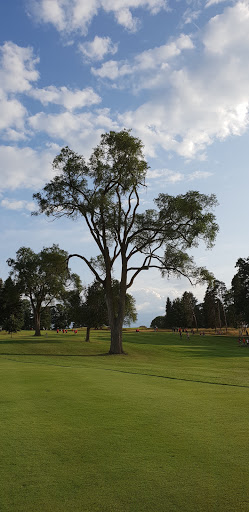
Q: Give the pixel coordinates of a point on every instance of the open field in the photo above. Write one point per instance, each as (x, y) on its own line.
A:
(161, 429)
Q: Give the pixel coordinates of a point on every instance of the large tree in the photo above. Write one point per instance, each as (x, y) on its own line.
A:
(42, 277)
(105, 192)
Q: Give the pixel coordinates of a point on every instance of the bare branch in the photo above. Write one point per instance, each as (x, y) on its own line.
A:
(88, 264)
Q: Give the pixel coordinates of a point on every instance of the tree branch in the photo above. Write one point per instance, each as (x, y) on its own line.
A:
(88, 264)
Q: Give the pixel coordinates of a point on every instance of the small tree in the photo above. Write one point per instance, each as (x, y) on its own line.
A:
(12, 324)
(42, 277)
(158, 321)
(105, 192)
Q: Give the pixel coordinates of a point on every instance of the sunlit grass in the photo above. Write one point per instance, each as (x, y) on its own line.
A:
(162, 428)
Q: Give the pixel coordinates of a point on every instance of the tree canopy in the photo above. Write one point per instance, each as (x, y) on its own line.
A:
(105, 192)
(42, 277)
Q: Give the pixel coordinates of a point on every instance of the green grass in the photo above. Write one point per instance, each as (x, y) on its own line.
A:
(161, 429)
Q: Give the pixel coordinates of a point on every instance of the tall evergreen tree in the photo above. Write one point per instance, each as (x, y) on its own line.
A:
(240, 291)
(11, 314)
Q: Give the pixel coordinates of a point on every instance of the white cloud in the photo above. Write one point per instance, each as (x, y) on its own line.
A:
(214, 2)
(146, 61)
(13, 135)
(169, 176)
(76, 130)
(202, 102)
(166, 175)
(24, 167)
(12, 113)
(14, 204)
(229, 31)
(190, 16)
(112, 70)
(143, 306)
(98, 48)
(70, 99)
(17, 68)
(75, 15)
(125, 18)
(192, 102)
(17, 72)
(150, 59)
(199, 175)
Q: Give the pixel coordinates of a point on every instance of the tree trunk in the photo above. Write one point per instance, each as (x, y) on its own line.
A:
(116, 307)
(115, 322)
(88, 333)
(196, 325)
(225, 316)
(116, 337)
(37, 319)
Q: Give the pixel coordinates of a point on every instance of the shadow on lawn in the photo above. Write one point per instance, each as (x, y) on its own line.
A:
(54, 355)
(198, 346)
(32, 342)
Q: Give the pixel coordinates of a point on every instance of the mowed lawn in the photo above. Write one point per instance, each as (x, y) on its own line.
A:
(164, 428)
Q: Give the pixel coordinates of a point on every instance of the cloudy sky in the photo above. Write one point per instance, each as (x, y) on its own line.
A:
(175, 71)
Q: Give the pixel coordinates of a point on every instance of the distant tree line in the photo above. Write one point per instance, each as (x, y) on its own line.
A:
(221, 307)
(41, 292)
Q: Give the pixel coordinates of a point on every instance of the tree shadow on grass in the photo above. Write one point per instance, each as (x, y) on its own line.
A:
(55, 355)
(31, 341)
(205, 346)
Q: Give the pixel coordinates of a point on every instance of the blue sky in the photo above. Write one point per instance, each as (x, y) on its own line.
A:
(176, 72)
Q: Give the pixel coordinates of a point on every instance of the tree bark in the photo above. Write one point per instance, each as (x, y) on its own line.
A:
(116, 337)
(116, 308)
(88, 333)
(37, 319)
(115, 322)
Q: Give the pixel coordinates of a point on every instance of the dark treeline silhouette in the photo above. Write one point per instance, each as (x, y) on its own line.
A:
(78, 306)
(221, 307)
